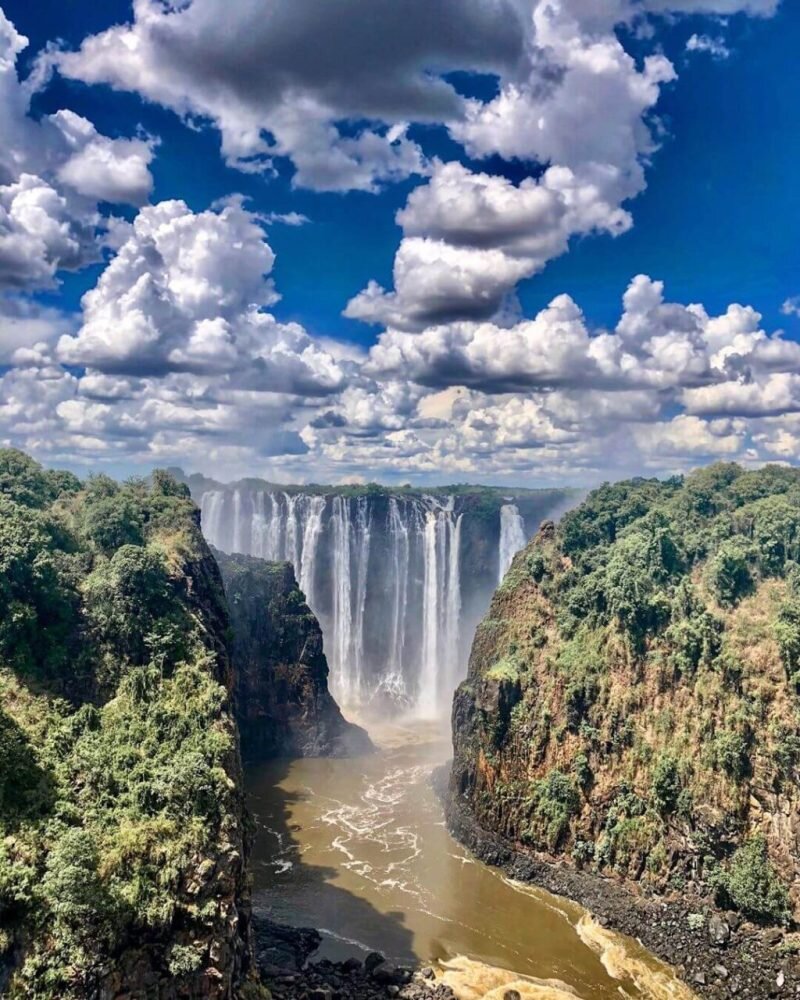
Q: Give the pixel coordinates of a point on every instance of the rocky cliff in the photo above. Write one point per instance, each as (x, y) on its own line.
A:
(123, 850)
(283, 705)
(632, 701)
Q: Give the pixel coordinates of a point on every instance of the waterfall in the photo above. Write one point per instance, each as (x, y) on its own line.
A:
(398, 582)
(362, 531)
(311, 533)
(344, 681)
(512, 536)
(212, 510)
(292, 551)
(453, 607)
(430, 616)
(399, 542)
(238, 523)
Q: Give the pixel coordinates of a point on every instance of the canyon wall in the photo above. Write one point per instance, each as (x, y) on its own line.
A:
(632, 703)
(283, 706)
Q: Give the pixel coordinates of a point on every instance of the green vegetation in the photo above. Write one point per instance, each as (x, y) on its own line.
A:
(659, 625)
(751, 884)
(120, 819)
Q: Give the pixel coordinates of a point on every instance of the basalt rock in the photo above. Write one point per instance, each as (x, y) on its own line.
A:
(283, 705)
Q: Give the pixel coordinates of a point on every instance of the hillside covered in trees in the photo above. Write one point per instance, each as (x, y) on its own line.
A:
(122, 830)
(633, 699)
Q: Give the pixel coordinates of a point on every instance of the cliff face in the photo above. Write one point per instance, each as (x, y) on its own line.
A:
(123, 849)
(632, 700)
(283, 705)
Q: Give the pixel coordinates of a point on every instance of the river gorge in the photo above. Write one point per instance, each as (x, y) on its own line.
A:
(358, 848)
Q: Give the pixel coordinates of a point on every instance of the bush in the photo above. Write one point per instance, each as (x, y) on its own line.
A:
(729, 574)
(665, 786)
(731, 752)
(556, 801)
(751, 884)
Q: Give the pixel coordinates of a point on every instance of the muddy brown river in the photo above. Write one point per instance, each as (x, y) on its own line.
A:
(359, 850)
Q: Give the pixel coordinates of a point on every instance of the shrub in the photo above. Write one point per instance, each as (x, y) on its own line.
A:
(731, 752)
(665, 786)
(556, 801)
(729, 574)
(751, 884)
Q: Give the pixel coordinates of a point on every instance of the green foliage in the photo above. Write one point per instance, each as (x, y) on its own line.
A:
(38, 604)
(555, 800)
(751, 884)
(730, 577)
(116, 739)
(694, 635)
(25, 482)
(112, 521)
(787, 633)
(506, 669)
(730, 751)
(25, 789)
(133, 608)
(665, 786)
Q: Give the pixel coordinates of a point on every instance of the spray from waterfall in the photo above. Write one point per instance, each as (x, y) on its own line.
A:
(385, 575)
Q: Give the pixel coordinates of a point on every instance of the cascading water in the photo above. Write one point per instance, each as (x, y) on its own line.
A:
(398, 582)
(512, 536)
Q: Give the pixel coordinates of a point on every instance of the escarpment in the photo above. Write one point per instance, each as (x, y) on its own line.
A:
(123, 849)
(283, 705)
(632, 700)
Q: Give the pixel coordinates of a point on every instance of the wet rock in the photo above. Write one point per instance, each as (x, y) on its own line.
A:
(351, 965)
(512, 995)
(321, 993)
(427, 973)
(390, 975)
(284, 948)
(374, 958)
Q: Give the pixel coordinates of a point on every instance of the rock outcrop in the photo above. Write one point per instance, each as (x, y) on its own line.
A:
(632, 705)
(283, 705)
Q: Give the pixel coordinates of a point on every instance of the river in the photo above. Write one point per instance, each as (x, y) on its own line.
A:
(359, 850)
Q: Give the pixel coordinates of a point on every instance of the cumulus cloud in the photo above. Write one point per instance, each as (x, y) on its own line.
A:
(656, 345)
(280, 80)
(187, 292)
(177, 356)
(471, 237)
(53, 174)
(333, 87)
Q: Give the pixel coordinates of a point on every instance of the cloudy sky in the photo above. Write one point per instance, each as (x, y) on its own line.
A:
(507, 241)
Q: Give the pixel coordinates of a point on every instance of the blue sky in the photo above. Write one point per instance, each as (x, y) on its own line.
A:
(713, 217)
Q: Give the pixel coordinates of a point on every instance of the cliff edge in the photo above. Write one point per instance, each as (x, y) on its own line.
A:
(283, 705)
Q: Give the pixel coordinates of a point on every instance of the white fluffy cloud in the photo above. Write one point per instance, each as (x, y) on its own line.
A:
(669, 387)
(281, 80)
(53, 173)
(470, 238)
(176, 356)
(186, 292)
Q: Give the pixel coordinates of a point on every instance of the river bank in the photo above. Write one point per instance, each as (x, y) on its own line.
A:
(718, 954)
